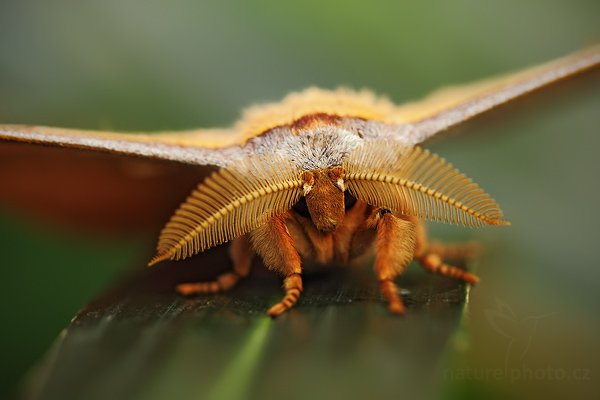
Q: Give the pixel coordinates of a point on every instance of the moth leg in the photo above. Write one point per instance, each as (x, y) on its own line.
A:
(274, 244)
(394, 247)
(433, 263)
(459, 251)
(431, 256)
(241, 256)
(292, 284)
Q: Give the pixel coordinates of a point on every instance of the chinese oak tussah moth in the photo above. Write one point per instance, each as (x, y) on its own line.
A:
(322, 177)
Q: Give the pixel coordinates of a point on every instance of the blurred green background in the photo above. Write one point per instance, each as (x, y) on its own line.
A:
(152, 65)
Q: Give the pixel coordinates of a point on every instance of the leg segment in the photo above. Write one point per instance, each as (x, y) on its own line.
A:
(276, 247)
(433, 263)
(458, 252)
(430, 256)
(241, 255)
(292, 284)
(395, 246)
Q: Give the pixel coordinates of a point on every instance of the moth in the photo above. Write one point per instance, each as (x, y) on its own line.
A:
(323, 177)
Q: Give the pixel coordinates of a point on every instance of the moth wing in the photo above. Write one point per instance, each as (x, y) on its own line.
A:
(200, 146)
(93, 191)
(135, 187)
(452, 105)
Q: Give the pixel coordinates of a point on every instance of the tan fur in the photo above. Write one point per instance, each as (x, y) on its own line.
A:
(340, 102)
(420, 235)
(325, 200)
(298, 230)
(395, 246)
(322, 244)
(327, 248)
(347, 246)
(274, 244)
(365, 233)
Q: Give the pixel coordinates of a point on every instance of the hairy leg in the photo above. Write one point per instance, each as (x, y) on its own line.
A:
(434, 264)
(241, 256)
(431, 255)
(394, 246)
(276, 247)
(458, 252)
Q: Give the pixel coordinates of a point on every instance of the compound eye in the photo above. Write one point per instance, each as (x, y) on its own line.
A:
(301, 208)
(349, 201)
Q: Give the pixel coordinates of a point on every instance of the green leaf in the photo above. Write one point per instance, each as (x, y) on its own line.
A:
(140, 340)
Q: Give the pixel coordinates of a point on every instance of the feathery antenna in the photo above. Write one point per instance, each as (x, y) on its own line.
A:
(231, 202)
(413, 181)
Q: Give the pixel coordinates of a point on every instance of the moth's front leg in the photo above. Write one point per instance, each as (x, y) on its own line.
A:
(394, 247)
(274, 244)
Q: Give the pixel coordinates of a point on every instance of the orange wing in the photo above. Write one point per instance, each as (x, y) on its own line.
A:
(93, 191)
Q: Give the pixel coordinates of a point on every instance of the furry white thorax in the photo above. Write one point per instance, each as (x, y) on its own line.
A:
(319, 148)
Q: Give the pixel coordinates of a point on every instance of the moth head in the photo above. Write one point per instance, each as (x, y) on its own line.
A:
(324, 197)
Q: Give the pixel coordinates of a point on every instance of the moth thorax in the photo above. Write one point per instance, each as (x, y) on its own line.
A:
(324, 192)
